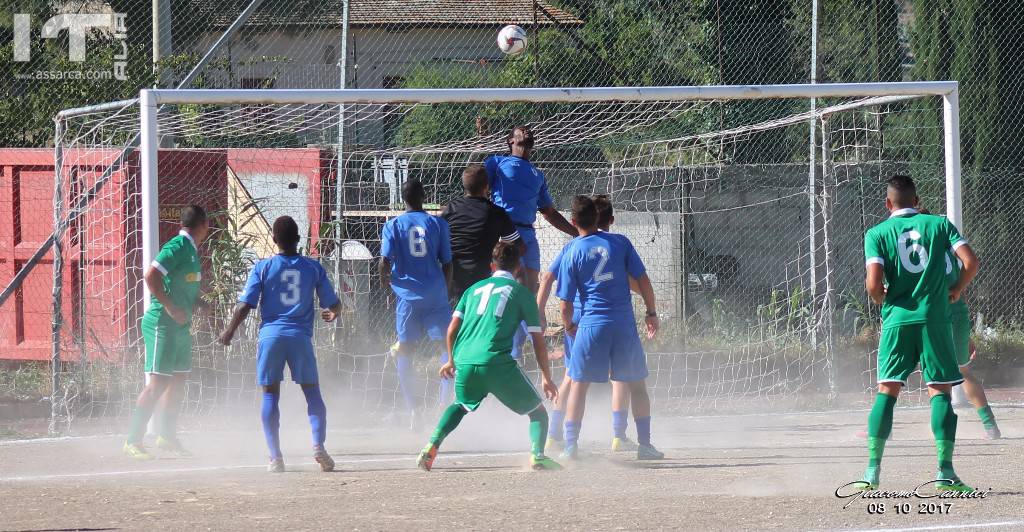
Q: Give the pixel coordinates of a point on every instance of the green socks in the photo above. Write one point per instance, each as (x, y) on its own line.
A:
(140, 418)
(944, 429)
(987, 417)
(879, 429)
(450, 419)
(538, 430)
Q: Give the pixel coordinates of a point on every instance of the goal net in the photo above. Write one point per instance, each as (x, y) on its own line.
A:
(751, 234)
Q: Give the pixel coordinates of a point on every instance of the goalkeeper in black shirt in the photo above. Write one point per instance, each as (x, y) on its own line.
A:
(477, 225)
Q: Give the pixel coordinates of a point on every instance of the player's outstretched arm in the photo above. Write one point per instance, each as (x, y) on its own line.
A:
(547, 279)
(237, 317)
(647, 293)
(971, 266)
(874, 282)
(558, 221)
(540, 350)
(448, 370)
(155, 282)
(331, 313)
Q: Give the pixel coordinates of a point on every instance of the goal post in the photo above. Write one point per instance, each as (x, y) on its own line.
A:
(710, 183)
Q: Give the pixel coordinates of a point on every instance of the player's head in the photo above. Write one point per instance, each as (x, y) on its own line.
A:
(605, 213)
(584, 213)
(506, 257)
(901, 193)
(412, 194)
(286, 235)
(520, 142)
(474, 181)
(193, 218)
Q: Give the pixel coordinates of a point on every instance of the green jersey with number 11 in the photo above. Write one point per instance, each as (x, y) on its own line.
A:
(911, 248)
(491, 311)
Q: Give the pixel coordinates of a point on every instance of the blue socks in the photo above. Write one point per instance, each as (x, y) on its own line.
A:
(444, 394)
(317, 412)
(643, 430)
(271, 416)
(406, 380)
(572, 432)
(619, 423)
(555, 426)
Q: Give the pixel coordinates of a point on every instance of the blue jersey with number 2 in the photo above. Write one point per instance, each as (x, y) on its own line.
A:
(283, 287)
(417, 244)
(598, 267)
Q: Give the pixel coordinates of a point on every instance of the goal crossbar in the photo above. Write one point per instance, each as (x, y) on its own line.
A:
(548, 95)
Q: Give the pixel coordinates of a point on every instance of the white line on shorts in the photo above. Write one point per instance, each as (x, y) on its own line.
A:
(98, 474)
(960, 526)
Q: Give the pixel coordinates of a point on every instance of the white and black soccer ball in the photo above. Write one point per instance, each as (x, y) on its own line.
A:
(512, 40)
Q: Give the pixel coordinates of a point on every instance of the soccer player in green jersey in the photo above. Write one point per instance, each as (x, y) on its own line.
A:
(480, 342)
(173, 279)
(907, 253)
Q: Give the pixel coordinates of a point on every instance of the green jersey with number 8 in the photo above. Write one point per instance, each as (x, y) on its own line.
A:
(491, 311)
(912, 247)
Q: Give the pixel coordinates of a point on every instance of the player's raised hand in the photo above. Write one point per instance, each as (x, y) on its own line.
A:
(176, 314)
(550, 390)
(652, 324)
(328, 315)
(447, 371)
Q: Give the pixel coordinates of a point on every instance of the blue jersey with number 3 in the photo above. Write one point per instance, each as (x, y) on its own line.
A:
(417, 244)
(598, 267)
(283, 287)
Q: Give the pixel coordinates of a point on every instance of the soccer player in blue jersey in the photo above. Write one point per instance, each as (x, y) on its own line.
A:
(620, 391)
(283, 287)
(521, 189)
(598, 265)
(416, 257)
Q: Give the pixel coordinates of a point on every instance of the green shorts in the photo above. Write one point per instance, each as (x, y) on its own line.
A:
(903, 347)
(962, 338)
(168, 345)
(506, 381)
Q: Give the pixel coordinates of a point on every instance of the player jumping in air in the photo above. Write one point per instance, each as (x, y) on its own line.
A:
(416, 258)
(907, 253)
(476, 226)
(282, 287)
(173, 280)
(480, 341)
(598, 266)
(620, 391)
(521, 189)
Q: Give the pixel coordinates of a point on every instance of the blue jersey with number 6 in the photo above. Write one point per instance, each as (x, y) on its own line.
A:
(417, 244)
(283, 287)
(598, 267)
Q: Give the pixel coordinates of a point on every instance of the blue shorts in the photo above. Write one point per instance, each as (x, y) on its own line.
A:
(295, 351)
(531, 258)
(413, 319)
(611, 348)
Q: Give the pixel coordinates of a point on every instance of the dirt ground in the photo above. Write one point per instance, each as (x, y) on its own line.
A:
(722, 473)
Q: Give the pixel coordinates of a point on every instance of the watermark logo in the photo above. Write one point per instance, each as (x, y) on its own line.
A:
(77, 26)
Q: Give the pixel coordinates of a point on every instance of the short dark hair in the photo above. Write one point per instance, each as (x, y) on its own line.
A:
(584, 212)
(286, 232)
(605, 212)
(193, 216)
(505, 256)
(527, 132)
(903, 189)
(413, 192)
(474, 179)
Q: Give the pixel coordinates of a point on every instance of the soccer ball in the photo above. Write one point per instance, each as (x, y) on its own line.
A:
(512, 39)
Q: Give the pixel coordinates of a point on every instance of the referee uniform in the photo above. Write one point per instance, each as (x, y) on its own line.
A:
(476, 227)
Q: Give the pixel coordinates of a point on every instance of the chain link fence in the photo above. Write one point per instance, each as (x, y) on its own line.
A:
(419, 44)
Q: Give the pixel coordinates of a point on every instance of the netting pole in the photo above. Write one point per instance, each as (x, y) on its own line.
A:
(951, 134)
(148, 146)
(812, 170)
(828, 189)
(56, 402)
(684, 288)
(339, 193)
